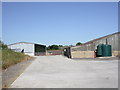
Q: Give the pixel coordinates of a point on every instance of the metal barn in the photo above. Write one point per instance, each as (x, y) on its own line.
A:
(31, 49)
(87, 50)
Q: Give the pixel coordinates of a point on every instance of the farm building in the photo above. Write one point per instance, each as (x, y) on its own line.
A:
(31, 49)
(87, 50)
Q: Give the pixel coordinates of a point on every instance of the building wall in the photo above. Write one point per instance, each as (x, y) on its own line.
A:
(18, 47)
(83, 54)
(54, 52)
(112, 40)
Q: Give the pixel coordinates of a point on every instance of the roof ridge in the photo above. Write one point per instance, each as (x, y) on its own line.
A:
(25, 42)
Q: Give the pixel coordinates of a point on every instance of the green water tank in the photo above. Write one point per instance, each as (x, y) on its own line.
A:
(106, 50)
(99, 50)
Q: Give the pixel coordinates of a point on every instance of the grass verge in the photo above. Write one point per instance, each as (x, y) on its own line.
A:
(10, 57)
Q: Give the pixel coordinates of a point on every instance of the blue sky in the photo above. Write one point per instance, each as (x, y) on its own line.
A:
(58, 23)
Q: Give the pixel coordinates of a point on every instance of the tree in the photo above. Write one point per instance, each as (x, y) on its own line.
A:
(60, 45)
(3, 46)
(54, 47)
(79, 43)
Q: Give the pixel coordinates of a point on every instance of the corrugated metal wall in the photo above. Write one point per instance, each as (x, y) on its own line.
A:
(92, 45)
(28, 48)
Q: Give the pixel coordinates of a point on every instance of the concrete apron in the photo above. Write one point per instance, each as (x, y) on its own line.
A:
(61, 72)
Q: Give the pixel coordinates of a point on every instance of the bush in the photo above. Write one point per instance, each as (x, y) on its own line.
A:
(3, 46)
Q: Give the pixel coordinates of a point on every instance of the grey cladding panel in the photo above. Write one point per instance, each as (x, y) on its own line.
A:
(113, 40)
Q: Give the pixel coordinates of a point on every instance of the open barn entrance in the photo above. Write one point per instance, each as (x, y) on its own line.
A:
(40, 50)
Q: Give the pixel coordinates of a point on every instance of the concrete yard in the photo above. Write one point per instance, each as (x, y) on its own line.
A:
(61, 72)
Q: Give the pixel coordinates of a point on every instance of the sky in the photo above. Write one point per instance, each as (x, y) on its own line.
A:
(62, 23)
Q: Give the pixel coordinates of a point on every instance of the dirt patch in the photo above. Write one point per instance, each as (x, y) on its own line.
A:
(10, 74)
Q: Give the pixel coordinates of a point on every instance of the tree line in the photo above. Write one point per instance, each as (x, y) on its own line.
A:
(59, 47)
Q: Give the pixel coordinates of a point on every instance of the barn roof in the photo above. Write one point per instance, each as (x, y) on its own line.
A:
(102, 37)
(97, 39)
(25, 43)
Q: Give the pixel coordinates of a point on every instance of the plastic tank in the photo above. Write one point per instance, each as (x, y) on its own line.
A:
(106, 50)
(99, 50)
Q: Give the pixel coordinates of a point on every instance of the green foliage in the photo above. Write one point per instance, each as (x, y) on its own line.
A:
(60, 45)
(79, 43)
(10, 57)
(3, 46)
(54, 47)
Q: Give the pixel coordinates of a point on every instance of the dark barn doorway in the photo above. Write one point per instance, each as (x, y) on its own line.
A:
(40, 50)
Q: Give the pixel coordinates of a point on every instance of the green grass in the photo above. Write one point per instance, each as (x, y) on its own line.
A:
(10, 57)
